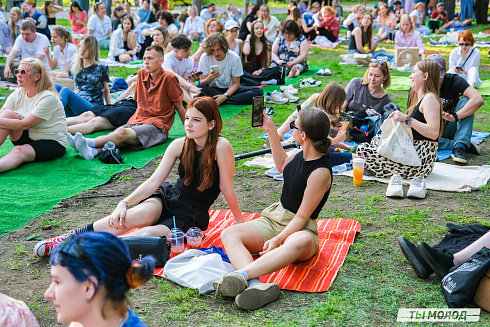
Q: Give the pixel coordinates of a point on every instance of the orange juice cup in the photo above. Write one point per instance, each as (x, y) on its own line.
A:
(345, 124)
(358, 168)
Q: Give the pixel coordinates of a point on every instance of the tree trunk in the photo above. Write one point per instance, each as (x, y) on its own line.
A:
(449, 6)
(198, 4)
(482, 12)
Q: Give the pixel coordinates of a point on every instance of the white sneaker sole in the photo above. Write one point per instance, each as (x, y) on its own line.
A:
(397, 194)
(230, 285)
(257, 296)
(460, 160)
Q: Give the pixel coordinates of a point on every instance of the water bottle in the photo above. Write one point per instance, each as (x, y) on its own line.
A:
(339, 169)
(364, 128)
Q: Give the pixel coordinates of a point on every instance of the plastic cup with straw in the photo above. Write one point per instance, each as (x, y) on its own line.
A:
(176, 237)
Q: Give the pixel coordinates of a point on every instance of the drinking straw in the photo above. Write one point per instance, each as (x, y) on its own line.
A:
(362, 157)
(175, 226)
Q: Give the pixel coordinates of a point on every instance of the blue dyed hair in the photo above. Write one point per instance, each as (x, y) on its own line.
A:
(106, 258)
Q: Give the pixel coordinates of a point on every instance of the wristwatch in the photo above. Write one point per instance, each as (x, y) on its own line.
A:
(455, 115)
(408, 120)
(227, 96)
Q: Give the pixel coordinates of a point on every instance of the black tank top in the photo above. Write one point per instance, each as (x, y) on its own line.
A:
(352, 41)
(416, 114)
(296, 175)
(203, 199)
(51, 20)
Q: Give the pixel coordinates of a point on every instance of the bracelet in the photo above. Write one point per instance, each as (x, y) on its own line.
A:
(455, 115)
(124, 201)
(408, 120)
(247, 42)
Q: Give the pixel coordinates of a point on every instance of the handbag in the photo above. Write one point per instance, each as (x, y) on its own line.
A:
(141, 246)
(460, 285)
(396, 143)
(110, 154)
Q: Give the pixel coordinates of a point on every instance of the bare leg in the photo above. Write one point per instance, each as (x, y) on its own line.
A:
(14, 134)
(298, 246)
(239, 241)
(18, 155)
(93, 125)
(80, 119)
(124, 58)
(294, 72)
(467, 252)
(121, 137)
(141, 216)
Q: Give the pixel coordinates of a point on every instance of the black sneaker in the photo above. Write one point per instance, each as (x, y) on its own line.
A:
(474, 148)
(458, 155)
(439, 261)
(409, 250)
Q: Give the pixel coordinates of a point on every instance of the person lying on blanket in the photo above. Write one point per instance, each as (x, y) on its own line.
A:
(206, 167)
(33, 118)
(287, 230)
(158, 94)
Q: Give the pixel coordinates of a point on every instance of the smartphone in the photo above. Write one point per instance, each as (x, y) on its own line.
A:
(196, 74)
(215, 67)
(345, 124)
(257, 111)
(459, 67)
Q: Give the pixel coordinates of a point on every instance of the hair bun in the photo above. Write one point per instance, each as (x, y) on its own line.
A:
(140, 272)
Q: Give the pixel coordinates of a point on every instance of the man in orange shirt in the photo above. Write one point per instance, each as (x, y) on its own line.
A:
(158, 94)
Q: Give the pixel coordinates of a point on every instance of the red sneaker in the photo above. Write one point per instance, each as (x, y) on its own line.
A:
(43, 249)
(60, 238)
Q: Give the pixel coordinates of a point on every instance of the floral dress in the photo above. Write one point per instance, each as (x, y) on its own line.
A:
(89, 83)
(290, 53)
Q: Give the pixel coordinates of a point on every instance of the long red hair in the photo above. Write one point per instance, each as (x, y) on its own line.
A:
(208, 107)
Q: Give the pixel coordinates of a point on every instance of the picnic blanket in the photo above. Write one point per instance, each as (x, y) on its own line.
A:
(476, 137)
(445, 43)
(449, 178)
(330, 45)
(313, 275)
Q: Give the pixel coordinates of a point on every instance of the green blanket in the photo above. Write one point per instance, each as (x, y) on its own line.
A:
(35, 188)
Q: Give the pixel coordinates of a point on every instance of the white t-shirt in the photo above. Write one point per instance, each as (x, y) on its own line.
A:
(178, 67)
(66, 56)
(228, 67)
(271, 29)
(30, 50)
(419, 16)
(101, 28)
(46, 105)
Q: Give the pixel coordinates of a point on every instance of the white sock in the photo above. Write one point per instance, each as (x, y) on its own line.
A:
(81, 145)
(71, 140)
(270, 82)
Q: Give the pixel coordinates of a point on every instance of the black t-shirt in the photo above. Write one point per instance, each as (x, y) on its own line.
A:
(243, 28)
(453, 86)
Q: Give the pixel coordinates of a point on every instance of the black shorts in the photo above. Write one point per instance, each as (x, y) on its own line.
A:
(45, 149)
(117, 114)
(186, 214)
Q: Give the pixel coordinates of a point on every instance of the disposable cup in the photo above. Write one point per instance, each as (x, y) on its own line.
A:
(176, 238)
(358, 169)
(194, 237)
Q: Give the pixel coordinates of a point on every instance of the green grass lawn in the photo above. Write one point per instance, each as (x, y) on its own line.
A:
(375, 280)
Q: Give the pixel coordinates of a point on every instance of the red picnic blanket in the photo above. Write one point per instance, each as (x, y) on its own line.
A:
(313, 275)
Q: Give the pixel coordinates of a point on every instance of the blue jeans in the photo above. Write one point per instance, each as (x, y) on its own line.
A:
(457, 132)
(466, 9)
(73, 103)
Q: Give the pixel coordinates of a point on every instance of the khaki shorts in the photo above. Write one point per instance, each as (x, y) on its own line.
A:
(148, 134)
(275, 218)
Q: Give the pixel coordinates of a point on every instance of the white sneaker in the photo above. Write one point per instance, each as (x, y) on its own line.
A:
(276, 98)
(309, 82)
(289, 88)
(395, 187)
(327, 72)
(272, 172)
(321, 72)
(289, 96)
(417, 189)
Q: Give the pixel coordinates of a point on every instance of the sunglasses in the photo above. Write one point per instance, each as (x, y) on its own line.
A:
(464, 44)
(73, 249)
(380, 62)
(292, 125)
(22, 72)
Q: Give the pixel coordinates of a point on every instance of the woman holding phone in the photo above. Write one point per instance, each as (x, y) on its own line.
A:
(287, 231)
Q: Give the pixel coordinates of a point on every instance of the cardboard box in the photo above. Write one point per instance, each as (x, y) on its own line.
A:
(428, 53)
(406, 55)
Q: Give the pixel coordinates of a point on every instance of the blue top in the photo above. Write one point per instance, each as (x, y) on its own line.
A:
(133, 320)
(89, 83)
(144, 15)
(36, 16)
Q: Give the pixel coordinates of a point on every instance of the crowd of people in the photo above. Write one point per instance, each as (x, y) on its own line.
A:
(236, 54)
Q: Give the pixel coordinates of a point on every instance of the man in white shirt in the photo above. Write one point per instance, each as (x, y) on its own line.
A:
(29, 44)
(221, 70)
(179, 62)
(208, 13)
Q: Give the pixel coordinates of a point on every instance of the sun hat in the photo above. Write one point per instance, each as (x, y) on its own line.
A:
(440, 61)
(230, 24)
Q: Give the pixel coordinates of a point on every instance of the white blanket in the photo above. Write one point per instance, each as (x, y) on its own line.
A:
(449, 178)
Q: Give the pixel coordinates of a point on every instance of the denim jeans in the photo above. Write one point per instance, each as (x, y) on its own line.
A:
(457, 132)
(73, 103)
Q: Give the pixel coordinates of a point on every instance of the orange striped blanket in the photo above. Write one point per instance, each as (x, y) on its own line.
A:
(314, 275)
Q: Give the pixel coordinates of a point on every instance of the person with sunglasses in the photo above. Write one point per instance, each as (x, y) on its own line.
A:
(91, 275)
(370, 90)
(33, 118)
(287, 231)
(465, 59)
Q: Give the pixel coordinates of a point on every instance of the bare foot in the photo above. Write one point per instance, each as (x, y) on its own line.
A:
(294, 72)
